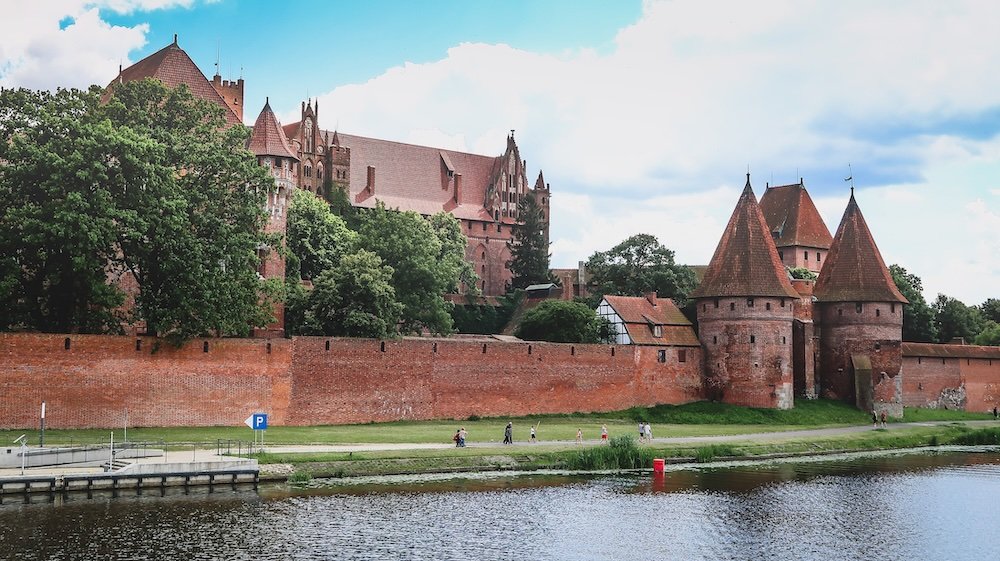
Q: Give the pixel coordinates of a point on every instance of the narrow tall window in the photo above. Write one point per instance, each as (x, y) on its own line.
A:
(661, 355)
(749, 302)
(681, 355)
(807, 256)
(857, 307)
(732, 306)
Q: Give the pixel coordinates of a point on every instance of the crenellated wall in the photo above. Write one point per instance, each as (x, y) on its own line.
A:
(313, 380)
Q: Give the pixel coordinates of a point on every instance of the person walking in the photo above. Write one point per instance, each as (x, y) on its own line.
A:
(995, 416)
(579, 436)
(457, 438)
(642, 431)
(533, 435)
(874, 419)
(883, 420)
(462, 433)
(508, 434)
(649, 432)
(604, 434)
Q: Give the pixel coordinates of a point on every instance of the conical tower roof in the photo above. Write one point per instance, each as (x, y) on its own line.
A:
(746, 262)
(854, 270)
(792, 217)
(268, 139)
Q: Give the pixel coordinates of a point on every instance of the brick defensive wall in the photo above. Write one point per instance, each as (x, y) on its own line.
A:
(88, 381)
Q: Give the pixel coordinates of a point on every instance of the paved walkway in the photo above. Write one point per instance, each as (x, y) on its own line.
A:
(204, 455)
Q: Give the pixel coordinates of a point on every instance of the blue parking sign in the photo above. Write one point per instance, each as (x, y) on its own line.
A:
(257, 421)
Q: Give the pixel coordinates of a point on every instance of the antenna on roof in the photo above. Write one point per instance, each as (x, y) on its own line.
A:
(218, 57)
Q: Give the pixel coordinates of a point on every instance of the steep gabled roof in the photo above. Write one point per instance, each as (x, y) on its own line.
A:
(854, 270)
(268, 139)
(639, 314)
(411, 177)
(792, 217)
(746, 261)
(172, 66)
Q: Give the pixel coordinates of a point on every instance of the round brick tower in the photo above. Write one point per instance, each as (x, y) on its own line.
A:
(745, 309)
(859, 312)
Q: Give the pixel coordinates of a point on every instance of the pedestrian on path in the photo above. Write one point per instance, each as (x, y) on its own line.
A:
(604, 434)
(457, 438)
(995, 416)
(649, 432)
(883, 420)
(461, 437)
(508, 434)
(533, 435)
(579, 436)
(642, 431)
(874, 419)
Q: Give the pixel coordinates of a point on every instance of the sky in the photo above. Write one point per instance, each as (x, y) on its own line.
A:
(644, 116)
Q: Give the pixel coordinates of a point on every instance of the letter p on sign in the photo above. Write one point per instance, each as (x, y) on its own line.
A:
(257, 421)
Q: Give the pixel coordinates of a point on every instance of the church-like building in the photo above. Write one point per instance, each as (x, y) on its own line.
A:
(483, 192)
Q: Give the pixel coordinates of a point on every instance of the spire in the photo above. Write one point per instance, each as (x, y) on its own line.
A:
(540, 182)
(268, 139)
(854, 270)
(175, 40)
(746, 262)
(336, 138)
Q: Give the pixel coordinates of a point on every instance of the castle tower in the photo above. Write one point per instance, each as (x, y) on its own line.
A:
(799, 233)
(745, 307)
(232, 92)
(542, 197)
(269, 144)
(859, 312)
(308, 143)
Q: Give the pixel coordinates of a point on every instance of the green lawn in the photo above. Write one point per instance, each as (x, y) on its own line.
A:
(693, 419)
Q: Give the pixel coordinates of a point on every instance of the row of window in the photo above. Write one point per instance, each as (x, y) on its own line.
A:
(859, 307)
(819, 256)
(752, 340)
(661, 355)
(732, 305)
(485, 225)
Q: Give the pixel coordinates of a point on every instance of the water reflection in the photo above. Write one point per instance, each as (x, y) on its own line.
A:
(906, 508)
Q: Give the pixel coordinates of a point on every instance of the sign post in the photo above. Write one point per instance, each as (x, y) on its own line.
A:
(41, 433)
(257, 422)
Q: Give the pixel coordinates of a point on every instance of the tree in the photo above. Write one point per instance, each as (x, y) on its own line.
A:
(355, 298)
(191, 213)
(918, 317)
(529, 251)
(990, 309)
(801, 273)
(990, 335)
(955, 319)
(421, 264)
(151, 186)
(639, 265)
(61, 168)
(560, 321)
(455, 268)
(315, 236)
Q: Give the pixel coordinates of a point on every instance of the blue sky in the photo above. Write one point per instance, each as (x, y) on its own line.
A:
(644, 116)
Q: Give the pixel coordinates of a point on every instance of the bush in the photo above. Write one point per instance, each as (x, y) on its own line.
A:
(709, 453)
(622, 452)
(981, 437)
(300, 477)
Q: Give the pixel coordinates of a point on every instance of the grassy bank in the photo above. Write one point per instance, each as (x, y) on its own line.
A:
(692, 419)
(622, 453)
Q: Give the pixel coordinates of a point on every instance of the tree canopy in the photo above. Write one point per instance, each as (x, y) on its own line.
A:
(529, 250)
(918, 317)
(954, 319)
(639, 265)
(151, 186)
(561, 321)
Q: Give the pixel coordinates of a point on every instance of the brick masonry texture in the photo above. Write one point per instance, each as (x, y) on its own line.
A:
(300, 382)
(935, 381)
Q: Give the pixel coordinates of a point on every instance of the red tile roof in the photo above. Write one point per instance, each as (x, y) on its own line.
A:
(746, 261)
(411, 177)
(950, 351)
(854, 270)
(792, 217)
(267, 138)
(639, 314)
(172, 66)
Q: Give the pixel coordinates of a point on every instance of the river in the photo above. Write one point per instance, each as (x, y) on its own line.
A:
(929, 506)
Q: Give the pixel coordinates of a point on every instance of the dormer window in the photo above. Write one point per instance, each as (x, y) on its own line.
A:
(657, 331)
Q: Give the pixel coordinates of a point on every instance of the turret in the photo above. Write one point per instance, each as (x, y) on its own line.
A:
(745, 307)
(799, 233)
(859, 312)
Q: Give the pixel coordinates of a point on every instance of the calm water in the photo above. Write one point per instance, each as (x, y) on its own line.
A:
(944, 506)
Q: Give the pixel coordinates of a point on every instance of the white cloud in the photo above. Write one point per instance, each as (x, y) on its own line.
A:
(66, 43)
(695, 91)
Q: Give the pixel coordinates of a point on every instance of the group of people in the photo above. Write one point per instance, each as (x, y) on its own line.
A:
(459, 438)
(645, 432)
(876, 418)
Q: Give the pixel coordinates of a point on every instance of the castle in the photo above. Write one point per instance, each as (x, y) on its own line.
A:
(482, 192)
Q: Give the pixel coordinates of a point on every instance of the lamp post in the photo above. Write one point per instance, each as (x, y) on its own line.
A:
(41, 433)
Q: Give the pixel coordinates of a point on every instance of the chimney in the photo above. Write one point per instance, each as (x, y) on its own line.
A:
(581, 271)
(458, 188)
(651, 297)
(370, 186)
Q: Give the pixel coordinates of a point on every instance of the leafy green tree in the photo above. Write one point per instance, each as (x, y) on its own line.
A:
(451, 259)
(421, 274)
(529, 251)
(918, 317)
(355, 298)
(560, 321)
(990, 335)
(990, 309)
(61, 168)
(315, 236)
(801, 273)
(191, 213)
(954, 319)
(639, 265)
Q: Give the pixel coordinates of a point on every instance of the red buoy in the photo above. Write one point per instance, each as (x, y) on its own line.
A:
(657, 465)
